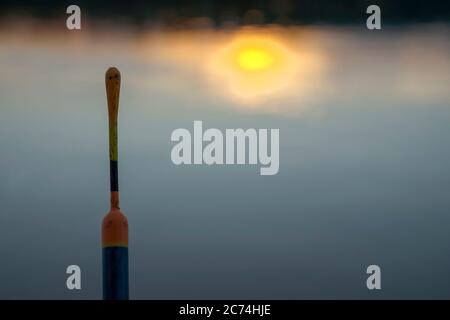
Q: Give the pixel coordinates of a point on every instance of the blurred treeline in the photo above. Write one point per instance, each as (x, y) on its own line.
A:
(239, 12)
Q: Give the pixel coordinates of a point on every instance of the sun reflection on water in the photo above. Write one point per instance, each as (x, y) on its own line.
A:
(248, 68)
(255, 65)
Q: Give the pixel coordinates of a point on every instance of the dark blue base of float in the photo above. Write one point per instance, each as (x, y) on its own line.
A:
(115, 273)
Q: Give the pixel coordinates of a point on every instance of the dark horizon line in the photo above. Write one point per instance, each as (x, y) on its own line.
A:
(242, 12)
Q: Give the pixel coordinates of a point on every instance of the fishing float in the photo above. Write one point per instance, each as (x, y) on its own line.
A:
(115, 223)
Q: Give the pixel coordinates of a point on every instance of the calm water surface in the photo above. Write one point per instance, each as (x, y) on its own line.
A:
(364, 178)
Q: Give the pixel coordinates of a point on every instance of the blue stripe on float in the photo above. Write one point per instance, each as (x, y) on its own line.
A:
(114, 176)
(115, 273)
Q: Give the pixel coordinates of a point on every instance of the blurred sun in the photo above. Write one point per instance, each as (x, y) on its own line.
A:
(252, 66)
(255, 59)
